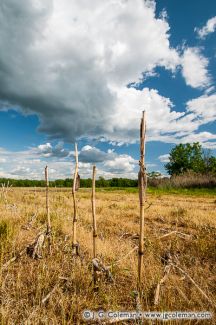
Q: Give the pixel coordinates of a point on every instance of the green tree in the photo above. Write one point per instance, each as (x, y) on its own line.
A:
(154, 174)
(185, 157)
(102, 182)
(212, 165)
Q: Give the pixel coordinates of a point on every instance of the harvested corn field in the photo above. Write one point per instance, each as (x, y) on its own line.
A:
(58, 287)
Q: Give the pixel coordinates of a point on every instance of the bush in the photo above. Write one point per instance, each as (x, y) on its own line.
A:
(186, 180)
(193, 180)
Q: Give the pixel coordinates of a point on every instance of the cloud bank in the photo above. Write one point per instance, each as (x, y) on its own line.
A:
(30, 163)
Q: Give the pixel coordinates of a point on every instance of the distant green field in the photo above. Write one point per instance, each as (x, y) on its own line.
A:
(157, 191)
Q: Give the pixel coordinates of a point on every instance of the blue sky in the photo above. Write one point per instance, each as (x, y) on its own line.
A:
(85, 71)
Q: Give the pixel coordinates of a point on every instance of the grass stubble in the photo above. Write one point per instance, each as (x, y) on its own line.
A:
(25, 282)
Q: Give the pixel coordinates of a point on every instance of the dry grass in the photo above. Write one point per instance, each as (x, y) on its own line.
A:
(188, 179)
(26, 282)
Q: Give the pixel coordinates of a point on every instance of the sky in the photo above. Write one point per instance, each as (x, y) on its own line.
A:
(83, 71)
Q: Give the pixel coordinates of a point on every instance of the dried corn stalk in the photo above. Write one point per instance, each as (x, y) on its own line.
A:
(142, 181)
(48, 232)
(94, 224)
(35, 250)
(167, 270)
(100, 268)
(75, 245)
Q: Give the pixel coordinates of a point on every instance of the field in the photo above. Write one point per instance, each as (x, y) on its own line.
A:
(26, 281)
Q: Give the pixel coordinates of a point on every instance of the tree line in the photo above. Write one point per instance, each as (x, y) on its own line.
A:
(101, 182)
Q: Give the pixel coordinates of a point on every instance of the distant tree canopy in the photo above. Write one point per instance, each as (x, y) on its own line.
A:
(101, 182)
(190, 157)
(84, 182)
(154, 175)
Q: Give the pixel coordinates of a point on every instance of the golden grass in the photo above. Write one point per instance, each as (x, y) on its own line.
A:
(26, 282)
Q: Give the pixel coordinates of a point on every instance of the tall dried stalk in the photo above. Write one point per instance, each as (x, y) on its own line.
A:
(94, 223)
(142, 196)
(48, 232)
(5, 189)
(75, 246)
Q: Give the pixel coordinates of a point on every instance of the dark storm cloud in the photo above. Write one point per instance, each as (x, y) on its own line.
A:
(58, 82)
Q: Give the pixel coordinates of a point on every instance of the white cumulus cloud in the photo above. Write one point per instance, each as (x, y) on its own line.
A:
(164, 158)
(195, 68)
(203, 108)
(209, 27)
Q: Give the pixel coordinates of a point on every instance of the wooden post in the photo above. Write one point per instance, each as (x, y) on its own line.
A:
(75, 246)
(142, 180)
(94, 224)
(48, 232)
